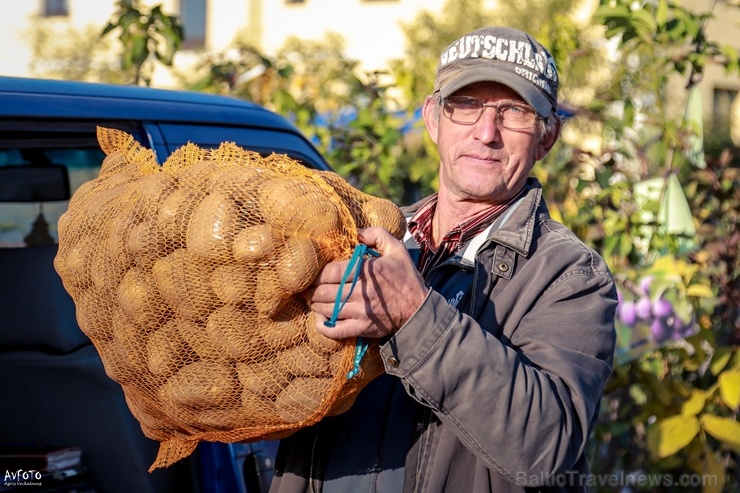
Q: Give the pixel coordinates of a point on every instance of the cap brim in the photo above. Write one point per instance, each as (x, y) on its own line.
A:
(528, 91)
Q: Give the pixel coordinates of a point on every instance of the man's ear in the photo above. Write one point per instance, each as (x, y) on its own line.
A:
(548, 140)
(430, 120)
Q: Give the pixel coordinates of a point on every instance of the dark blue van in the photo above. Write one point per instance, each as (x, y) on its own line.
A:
(54, 393)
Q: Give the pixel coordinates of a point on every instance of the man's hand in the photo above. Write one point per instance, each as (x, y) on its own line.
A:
(388, 291)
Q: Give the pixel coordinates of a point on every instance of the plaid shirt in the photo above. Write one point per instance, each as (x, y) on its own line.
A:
(420, 227)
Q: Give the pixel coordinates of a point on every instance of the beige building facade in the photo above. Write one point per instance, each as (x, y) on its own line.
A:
(371, 30)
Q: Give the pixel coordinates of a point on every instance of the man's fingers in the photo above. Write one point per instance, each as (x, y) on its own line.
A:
(331, 273)
(380, 240)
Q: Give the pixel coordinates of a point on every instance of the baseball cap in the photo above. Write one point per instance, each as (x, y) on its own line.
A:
(505, 55)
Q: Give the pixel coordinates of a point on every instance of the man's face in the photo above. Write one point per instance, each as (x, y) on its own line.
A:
(484, 162)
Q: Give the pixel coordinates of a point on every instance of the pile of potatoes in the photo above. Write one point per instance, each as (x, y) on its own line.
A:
(187, 276)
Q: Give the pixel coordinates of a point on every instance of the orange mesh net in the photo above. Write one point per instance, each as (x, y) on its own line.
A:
(186, 277)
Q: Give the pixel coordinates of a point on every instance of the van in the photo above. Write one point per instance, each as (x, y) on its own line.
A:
(54, 393)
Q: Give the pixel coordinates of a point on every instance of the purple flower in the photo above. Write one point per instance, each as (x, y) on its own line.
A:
(662, 308)
(660, 331)
(682, 329)
(645, 285)
(644, 308)
(627, 314)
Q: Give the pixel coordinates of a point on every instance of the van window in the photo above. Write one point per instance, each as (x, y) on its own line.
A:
(71, 146)
(254, 139)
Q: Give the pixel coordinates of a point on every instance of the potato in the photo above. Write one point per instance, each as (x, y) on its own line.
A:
(254, 243)
(195, 336)
(140, 299)
(258, 409)
(124, 357)
(302, 398)
(268, 296)
(117, 238)
(198, 175)
(146, 243)
(318, 220)
(184, 282)
(106, 272)
(213, 227)
(202, 384)
(279, 193)
(167, 351)
(282, 334)
(233, 283)
(74, 263)
(104, 202)
(241, 183)
(261, 378)
(95, 311)
(174, 215)
(320, 342)
(153, 189)
(302, 361)
(385, 214)
(235, 333)
(298, 264)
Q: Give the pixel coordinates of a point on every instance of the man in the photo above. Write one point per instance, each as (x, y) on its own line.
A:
(495, 322)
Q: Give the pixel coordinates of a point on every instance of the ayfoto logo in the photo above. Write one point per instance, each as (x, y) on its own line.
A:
(22, 477)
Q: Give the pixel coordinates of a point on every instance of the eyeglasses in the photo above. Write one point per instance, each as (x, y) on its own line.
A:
(466, 110)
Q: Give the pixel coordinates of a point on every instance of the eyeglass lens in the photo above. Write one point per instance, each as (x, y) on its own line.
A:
(468, 110)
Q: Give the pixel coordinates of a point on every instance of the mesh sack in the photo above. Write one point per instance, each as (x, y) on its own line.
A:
(186, 277)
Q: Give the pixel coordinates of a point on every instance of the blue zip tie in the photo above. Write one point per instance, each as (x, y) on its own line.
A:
(355, 264)
(360, 350)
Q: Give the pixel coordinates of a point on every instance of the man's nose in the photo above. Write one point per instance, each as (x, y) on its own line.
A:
(487, 126)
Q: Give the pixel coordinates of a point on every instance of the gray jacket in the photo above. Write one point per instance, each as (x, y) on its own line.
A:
(492, 386)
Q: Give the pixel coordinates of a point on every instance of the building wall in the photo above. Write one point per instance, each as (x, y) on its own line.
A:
(723, 28)
(371, 29)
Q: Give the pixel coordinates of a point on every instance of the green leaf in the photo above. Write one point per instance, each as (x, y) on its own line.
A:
(644, 21)
(699, 291)
(726, 430)
(108, 28)
(670, 435)
(138, 50)
(720, 360)
(625, 245)
(605, 13)
(694, 404)
(661, 12)
(729, 388)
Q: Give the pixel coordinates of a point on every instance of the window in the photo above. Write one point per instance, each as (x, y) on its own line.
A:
(41, 166)
(722, 107)
(52, 8)
(193, 18)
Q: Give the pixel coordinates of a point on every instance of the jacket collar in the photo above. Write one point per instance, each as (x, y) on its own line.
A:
(515, 227)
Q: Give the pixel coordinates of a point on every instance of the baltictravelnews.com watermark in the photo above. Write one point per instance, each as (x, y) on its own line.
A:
(637, 479)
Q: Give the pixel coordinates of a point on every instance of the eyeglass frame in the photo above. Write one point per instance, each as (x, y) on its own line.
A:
(495, 106)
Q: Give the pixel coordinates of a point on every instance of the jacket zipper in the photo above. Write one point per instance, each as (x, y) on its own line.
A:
(311, 487)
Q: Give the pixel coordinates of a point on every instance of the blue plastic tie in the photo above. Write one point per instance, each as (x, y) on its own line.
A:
(353, 269)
